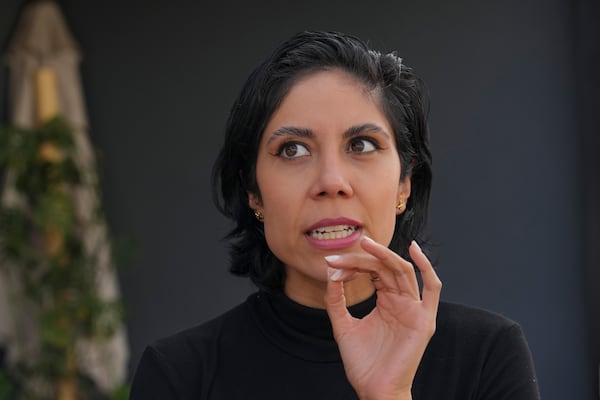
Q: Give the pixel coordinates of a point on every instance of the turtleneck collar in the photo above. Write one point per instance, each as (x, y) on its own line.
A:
(301, 331)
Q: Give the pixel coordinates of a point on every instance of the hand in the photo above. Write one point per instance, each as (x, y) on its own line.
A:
(382, 351)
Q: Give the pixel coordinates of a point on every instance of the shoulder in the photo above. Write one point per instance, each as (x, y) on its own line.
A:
(476, 330)
(203, 335)
(479, 352)
(460, 317)
(176, 365)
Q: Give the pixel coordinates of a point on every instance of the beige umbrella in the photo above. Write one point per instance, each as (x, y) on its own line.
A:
(44, 81)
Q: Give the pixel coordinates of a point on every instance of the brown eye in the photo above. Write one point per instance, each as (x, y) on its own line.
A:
(357, 146)
(293, 150)
(360, 145)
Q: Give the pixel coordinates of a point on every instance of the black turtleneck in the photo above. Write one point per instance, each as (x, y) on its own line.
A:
(302, 332)
(270, 347)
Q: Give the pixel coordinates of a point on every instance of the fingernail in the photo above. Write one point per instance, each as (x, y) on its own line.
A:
(335, 274)
(332, 258)
(368, 239)
(414, 243)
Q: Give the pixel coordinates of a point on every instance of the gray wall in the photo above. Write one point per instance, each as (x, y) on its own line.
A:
(513, 216)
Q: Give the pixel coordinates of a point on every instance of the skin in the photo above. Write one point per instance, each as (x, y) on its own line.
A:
(329, 152)
(303, 180)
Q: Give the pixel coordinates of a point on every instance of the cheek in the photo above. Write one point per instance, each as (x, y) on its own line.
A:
(283, 190)
(282, 236)
(279, 199)
(281, 206)
(383, 202)
(387, 220)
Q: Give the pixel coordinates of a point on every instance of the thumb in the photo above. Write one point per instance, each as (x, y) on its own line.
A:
(335, 302)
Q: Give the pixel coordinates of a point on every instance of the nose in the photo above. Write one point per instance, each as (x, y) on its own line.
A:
(332, 179)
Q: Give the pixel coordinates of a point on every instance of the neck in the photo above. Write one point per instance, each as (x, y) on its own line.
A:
(312, 293)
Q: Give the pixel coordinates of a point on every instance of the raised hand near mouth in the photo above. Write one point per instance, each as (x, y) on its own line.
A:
(382, 351)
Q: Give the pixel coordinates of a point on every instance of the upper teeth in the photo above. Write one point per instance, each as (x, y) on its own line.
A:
(332, 232)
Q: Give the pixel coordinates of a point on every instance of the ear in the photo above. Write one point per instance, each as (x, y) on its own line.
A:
(254, 201)
(403, 194)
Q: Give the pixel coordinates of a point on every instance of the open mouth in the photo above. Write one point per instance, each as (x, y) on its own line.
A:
(332, 232)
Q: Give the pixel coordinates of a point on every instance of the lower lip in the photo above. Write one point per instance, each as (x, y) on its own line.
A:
(332, 244)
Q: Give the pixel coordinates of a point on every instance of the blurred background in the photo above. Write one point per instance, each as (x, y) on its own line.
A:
(514, 128)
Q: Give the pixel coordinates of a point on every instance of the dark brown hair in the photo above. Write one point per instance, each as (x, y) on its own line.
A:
(403, 101)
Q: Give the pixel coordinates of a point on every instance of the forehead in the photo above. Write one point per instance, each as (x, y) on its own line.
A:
(325, 97)
(329, 76)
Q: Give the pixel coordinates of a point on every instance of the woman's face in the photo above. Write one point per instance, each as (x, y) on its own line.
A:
(328, 172)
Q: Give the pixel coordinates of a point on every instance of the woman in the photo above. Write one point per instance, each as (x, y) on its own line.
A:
(326, 171)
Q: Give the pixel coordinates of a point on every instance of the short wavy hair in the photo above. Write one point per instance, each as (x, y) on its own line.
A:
(402, 99)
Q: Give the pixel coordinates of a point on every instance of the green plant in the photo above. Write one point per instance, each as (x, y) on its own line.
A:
(41, 242)
(7, 387)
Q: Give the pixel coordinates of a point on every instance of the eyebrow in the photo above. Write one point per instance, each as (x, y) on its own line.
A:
(358, 130)
(353, 131)
(291, 131)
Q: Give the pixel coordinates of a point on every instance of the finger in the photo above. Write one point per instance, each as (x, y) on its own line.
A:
(344, 275)
(432, 286)
(362, 262)
(404, 270)
(335, 303)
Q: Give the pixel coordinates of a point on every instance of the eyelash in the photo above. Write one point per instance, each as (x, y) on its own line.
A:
(368, 139)
(283, 146)
(281, 149)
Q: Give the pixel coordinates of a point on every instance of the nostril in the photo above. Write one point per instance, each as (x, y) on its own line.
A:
(331, 183)
(325, 193)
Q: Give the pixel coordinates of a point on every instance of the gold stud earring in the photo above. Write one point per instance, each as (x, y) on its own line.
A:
(259, 216)
(400, 206)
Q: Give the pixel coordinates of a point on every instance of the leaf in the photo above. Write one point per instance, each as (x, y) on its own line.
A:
(55, 209)
(56, 330)
(120, 393)
(7, 387)
(60, 283)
